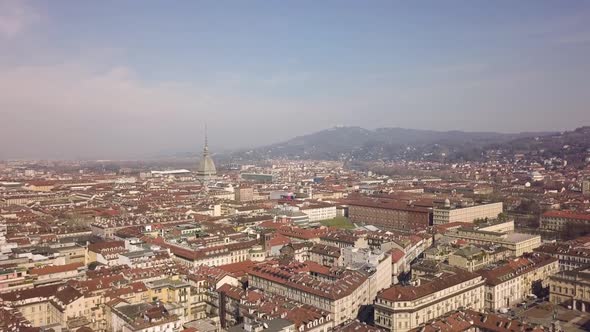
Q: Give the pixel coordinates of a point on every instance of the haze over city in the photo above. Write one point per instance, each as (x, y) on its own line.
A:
(111, 79)
(294, 166)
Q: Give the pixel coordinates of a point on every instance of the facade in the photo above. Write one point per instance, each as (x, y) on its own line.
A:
(143, 317)
(586, 187)
(570, 257)
(343, 239)
(319, 211)
(244, 194)
(340, 292)
(510, 283)
(325, 255)
(474, 321)
(557, 220)
(517, 243)
(402, 308)
(389, 215)
(472, 258)
(258, 178)
(448, 214)
(58, 272)
(571, 288)
(232, 252)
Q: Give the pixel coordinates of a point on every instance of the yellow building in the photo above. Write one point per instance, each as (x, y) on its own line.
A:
(518, 243)
(170, 290)
(571, 288)
(402, 308)
(472, 258)
(510, 283)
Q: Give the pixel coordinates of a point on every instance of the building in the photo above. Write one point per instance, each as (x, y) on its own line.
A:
(449, 213)
(570, 257)
(143, 317)
(517, 243)
(402, 308)
(319, 211)
(325, 255)
(586, 187)
(169, 290)
(57, 272)
(343, 239)
(206, 170)
(557, 220)
(338, 291)
(258, 178)
(473, 321)
(252, 310)
(510, 283)
(221, 251)
(388, 215)
(472, 258)
(244, 194)
(571, 288)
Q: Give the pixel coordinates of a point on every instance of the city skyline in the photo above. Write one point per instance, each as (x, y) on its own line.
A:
(112, 80)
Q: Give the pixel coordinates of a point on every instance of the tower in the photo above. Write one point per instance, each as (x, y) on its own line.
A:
(206, 170)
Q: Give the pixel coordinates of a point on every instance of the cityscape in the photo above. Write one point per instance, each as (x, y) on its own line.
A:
(132, 200)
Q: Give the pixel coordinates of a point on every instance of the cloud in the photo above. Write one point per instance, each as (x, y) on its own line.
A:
(15, 17)
(75, 110)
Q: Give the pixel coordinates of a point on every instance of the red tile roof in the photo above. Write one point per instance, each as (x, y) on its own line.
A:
(40, 271)
(567, 215)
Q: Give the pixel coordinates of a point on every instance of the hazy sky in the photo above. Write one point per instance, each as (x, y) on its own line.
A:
(117, 79)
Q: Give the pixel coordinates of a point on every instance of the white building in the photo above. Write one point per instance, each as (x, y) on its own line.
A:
(448, 213)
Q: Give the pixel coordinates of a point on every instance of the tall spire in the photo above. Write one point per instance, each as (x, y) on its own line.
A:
(206, 148)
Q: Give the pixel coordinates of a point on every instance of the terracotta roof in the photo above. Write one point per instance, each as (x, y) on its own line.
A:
(409, 293)
(238, 269)
(567, 215)
(296, 275)
(99, 246)
(516, 267)
(469, 319)
(30, 293)
(396, 255)
(55, 269)
(279, 240)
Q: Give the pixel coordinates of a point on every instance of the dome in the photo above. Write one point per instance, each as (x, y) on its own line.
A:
(206, 169)
(206, 166)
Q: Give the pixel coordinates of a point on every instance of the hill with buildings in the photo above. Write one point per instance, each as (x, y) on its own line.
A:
(356, 143)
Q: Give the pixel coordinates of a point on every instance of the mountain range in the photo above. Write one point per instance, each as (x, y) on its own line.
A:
(356, 143)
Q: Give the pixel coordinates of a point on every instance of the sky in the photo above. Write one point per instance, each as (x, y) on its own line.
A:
(130, 79)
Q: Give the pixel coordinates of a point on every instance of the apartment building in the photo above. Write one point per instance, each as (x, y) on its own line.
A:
(402, 308)
(319, 211)
(449, 213)
(571, 288)
(338, 291)
(343, 239)
(33, 303)
(517, 243)
(142, 317)
(325, 255)
(474, 321)
(557, 220)
(389, 215)
(570, 256)
(244, 194)
(232, 252)
(472, 258)
(510, 283)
